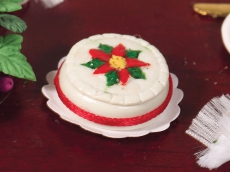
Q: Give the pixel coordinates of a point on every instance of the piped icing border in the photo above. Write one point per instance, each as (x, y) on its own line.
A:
(112, 121)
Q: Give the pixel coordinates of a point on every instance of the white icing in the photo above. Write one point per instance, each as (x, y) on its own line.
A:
(156, 74)
(89, 91)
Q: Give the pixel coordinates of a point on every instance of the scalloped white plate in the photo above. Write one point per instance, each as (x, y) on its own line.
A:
(225, 32)
(160, 123)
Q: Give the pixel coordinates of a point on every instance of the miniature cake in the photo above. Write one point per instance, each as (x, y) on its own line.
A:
(114, 80)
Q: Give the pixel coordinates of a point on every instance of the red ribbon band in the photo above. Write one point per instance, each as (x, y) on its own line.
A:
(112, 121)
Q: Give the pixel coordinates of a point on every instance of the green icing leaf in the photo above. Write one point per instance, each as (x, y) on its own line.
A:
(214, 141)
(105, 48)
(136, 73)
(12, 23)
(10, 5)
(112, 78)
(12, 62)
(93, 64)
(132, 53)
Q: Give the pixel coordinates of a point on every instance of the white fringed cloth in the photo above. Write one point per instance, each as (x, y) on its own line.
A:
(212, 128)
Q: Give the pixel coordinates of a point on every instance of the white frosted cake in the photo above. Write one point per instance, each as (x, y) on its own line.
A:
(114, 80)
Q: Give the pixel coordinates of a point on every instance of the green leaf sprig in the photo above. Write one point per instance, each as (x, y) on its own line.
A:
(8, 21)
(10, 5)
(12, 61)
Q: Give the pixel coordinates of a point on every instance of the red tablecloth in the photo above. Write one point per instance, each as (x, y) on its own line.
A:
(34, 138)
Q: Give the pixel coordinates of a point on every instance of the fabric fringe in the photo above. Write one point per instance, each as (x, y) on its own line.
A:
(212, 128)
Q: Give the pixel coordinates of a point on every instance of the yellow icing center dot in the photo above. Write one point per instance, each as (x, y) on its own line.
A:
(117, 62)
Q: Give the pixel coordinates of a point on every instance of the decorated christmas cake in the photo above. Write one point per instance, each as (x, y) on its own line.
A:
(114, 80)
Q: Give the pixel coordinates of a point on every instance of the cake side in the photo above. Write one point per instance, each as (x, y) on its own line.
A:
(107, 109)
(138, 121)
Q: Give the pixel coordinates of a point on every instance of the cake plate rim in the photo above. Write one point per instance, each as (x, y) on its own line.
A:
(158, 124)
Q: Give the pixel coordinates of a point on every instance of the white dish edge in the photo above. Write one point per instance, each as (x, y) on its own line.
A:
(160, 123)
(225, 32)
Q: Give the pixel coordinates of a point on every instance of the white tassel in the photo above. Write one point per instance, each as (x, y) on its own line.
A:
(212, 128)
(50, 3)
(215, 155)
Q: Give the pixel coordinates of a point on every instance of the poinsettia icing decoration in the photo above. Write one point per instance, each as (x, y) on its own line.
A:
(117, 63)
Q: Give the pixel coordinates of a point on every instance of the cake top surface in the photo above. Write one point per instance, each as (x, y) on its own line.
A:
(118, 69)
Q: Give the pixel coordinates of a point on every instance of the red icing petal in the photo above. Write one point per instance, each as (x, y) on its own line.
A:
(103, 69)
(119, 50)
(113, 121)
(132, 62)
(99, 54)
(123, 76)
